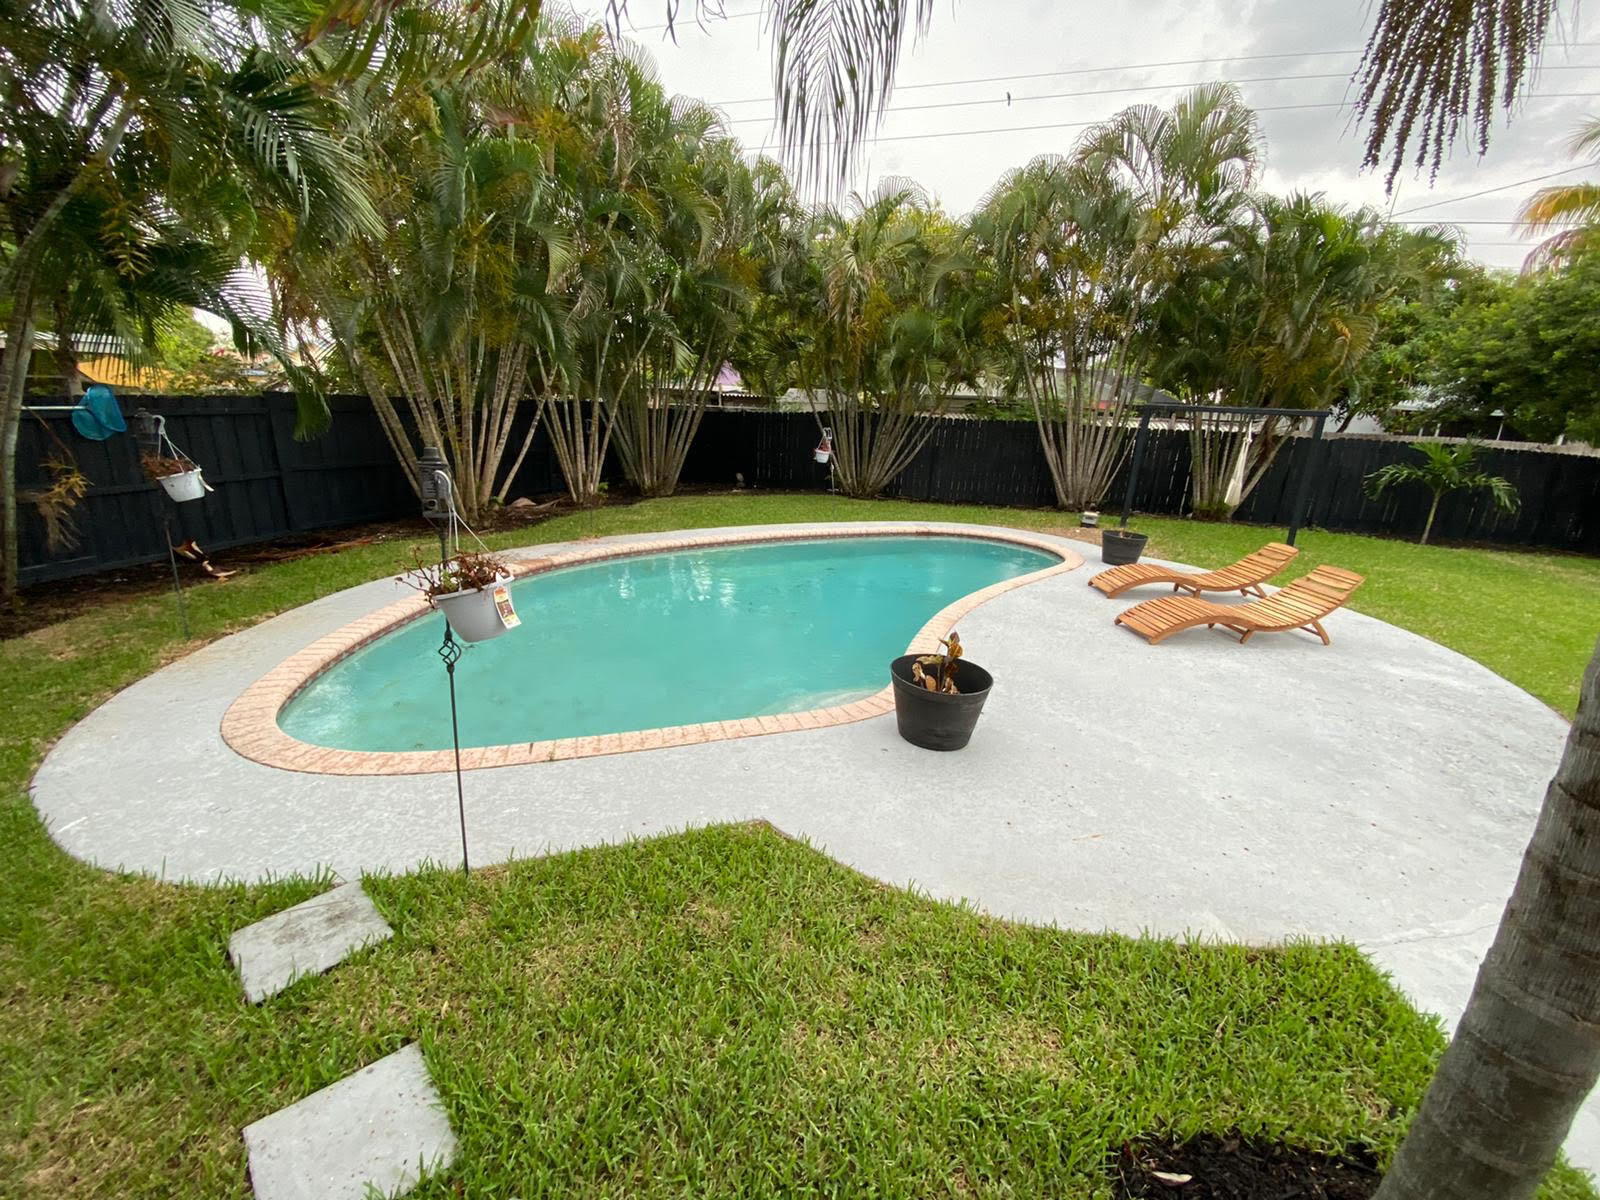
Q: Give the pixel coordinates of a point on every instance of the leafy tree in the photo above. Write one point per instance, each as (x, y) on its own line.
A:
(1529, 348)
(1432, 280)
(1443, 469)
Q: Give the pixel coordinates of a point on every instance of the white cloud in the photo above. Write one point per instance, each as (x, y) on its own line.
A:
(1099, 47)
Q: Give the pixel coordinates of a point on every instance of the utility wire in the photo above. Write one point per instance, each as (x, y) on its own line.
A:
(1447, 221)
(1009, 100)
(702, 19)
(1504, 187)
(917, 137)
(1176, 62)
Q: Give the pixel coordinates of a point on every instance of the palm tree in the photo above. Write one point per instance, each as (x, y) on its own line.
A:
(1527, 1050)
(888, 329)
(1444, 469)
(449, 305)
(1282, 320)
(705, 256)
(1434, 73)
(1084, 251)
(131, 130)
(1576, 205)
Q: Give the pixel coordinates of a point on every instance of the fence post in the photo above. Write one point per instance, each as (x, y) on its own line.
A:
(1303, 495)
(1139, 441)
(281, 446)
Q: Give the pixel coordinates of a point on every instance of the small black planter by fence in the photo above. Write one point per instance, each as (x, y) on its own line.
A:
(1121, 546)
(938, 720)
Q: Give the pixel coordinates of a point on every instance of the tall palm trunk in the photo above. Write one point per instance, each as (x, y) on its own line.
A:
(18, 354)
(876, 438)
(1527, 1051)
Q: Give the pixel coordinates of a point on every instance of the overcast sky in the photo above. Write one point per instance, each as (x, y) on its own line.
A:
(1077, 47)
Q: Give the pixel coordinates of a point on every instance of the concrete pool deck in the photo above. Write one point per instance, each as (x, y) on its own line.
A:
(1380, 789)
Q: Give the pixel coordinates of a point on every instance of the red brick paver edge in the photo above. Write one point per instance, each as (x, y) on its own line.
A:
(250, 726)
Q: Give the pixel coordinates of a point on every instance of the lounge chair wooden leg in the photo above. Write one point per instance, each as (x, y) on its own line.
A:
(1316, 628)
(1245, 636)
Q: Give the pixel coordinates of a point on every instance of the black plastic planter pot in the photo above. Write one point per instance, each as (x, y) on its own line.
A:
(1121, 546)
(936, 720)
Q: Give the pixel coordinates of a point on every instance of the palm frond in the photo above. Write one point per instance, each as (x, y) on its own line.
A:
(1435, 73)
(833, 70)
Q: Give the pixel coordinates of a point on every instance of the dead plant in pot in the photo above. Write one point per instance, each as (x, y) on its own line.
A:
(938, 697)
(470, 589)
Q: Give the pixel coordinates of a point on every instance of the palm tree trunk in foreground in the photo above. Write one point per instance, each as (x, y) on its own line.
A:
(1527, 1051)
(13, 392)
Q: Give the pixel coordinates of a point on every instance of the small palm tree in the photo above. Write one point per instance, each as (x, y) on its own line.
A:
(1444, 469)
(1573, 205)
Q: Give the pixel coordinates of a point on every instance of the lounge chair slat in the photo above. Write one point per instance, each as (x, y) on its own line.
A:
(1300, 604)
(1249, 572)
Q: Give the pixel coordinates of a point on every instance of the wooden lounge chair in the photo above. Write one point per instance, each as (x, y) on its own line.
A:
(1299, 605)
(1245, 576)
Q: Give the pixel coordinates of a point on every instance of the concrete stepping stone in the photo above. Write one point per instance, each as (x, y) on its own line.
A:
(307, 939)
(379, 1130)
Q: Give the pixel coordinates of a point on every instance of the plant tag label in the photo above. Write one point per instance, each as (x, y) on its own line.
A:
(502, 605)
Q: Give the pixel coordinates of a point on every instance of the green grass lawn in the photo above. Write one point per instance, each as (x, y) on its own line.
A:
(717, 1013)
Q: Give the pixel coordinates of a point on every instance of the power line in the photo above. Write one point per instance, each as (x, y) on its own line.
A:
(1176, 62)
(917, 137)
(1473, 221)
(697, 19)
(1504, 187)
(1008, 100)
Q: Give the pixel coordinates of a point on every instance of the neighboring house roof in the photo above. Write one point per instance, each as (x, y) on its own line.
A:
(118, 372)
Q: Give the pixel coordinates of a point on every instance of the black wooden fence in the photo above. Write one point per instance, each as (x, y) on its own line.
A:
(269, 485)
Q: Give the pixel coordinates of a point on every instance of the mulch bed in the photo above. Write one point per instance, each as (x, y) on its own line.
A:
(1232, 1167)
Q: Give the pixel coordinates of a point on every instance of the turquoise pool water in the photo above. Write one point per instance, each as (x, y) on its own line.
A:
(661, 639)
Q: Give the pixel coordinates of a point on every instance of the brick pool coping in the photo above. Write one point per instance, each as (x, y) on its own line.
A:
(250, 725)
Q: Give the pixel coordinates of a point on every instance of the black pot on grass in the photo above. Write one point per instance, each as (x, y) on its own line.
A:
(1121, 546)
(938, 720)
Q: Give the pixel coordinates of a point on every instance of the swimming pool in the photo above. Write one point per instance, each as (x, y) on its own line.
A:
(707, 634)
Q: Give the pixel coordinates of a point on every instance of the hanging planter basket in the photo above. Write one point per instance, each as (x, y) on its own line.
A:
(185, 485)
(479, 614)
(177, 473)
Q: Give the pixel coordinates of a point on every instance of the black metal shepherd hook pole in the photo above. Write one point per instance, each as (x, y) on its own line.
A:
(172, 557)
(438, 505)
(450, 652)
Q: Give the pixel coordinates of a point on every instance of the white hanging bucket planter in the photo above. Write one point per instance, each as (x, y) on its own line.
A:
(185, 485)
(177, 473)
(479, 614)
